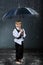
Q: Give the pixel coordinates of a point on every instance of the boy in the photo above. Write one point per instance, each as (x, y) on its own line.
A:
(19, 35)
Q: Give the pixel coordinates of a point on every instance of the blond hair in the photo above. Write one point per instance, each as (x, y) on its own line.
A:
(18, 22)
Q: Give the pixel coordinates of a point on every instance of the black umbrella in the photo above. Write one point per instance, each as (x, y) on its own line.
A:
(20, 12)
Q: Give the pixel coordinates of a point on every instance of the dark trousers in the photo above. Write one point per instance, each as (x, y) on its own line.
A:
(19, 51)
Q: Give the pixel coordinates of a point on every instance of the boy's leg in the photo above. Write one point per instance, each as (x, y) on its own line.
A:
(17, 51)
(21, 48)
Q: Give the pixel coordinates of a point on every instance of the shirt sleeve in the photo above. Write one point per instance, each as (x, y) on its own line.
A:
(24, 35)
(16, 34)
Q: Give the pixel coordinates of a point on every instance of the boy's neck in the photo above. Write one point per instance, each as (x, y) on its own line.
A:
(17, 28)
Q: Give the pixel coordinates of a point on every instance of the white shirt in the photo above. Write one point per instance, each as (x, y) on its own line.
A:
(16, 34)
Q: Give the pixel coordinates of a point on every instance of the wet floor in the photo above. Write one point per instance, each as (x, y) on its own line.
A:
(30, 58)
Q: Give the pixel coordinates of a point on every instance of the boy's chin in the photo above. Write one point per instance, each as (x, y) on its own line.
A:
(18, 28)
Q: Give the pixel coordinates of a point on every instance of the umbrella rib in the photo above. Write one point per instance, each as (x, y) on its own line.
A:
(33, 12)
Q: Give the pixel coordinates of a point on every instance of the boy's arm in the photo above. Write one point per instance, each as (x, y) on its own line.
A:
(24, 34)
(16, 34)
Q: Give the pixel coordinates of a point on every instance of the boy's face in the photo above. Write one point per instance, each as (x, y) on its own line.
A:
(18, 25)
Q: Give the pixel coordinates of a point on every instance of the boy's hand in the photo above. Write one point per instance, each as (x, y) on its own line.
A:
(22, 32)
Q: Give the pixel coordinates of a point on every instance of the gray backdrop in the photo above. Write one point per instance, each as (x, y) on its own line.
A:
(31, 24)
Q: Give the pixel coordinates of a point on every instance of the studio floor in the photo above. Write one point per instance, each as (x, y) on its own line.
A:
(7, 57)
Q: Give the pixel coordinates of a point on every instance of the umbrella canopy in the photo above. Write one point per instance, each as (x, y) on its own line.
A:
(25, 10)
(20, 11)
